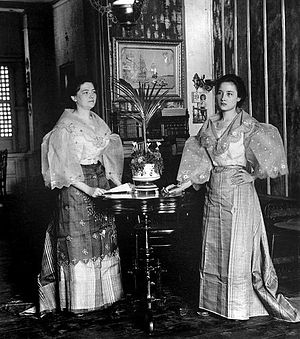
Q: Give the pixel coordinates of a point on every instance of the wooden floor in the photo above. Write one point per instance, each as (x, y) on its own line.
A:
(176, 318)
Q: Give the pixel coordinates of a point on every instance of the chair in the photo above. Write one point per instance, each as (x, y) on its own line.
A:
(292, 228)
(282, 218)
(3, 169)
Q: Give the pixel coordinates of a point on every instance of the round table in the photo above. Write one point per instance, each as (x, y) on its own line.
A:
(292, 227)
(143, 205)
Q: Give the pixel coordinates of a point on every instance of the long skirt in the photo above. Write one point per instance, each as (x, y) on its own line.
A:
(81, 264)
(237, 277)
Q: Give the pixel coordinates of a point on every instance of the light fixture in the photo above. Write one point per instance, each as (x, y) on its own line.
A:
(124, 12)
(207, 84)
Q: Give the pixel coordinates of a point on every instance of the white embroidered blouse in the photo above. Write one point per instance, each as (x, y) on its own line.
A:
(73, 143)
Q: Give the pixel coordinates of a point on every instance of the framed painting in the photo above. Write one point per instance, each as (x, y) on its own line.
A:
(149, 61)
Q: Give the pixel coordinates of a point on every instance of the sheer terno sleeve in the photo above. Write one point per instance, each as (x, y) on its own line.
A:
(195, 163)
(113, 158)
(265, 152)
(60, 163)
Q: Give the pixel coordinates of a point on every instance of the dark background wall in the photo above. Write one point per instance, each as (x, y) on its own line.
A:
(34, 86)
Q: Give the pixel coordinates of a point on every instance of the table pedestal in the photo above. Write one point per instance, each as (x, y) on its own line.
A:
(143, 206)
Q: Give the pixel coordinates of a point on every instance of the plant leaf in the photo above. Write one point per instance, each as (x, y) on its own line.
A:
(146, 100)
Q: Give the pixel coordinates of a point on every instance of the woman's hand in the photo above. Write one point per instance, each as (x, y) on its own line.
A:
(177, 189)
(242, 177)
(96, 192)
(172, 190)
(91, 191)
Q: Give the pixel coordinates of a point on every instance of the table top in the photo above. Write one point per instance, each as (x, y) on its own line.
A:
(292, 224)
(139, 202)
(133, 195)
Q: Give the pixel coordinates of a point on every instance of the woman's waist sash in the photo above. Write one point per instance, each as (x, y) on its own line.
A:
(218, 169)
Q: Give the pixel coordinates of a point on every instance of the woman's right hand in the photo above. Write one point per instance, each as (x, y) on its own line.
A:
(95, 192)
(91, 191)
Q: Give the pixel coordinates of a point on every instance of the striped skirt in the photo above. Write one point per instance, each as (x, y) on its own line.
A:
(237, 277)
(81, 264)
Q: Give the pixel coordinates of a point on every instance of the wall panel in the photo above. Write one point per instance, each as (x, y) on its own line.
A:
(275, 69)
(229, 36)
(268, 60)
(293, 93)
(257, 59)
(217, 38)
(242, 57)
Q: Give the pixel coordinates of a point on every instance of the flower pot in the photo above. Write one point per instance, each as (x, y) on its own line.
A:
(146, 166)
(144, 178)
(148, 173)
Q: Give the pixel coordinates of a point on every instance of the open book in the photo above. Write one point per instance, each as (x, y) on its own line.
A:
(124, 188)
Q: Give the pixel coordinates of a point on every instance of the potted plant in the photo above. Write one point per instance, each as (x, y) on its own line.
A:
(145, 101)
(148, 164)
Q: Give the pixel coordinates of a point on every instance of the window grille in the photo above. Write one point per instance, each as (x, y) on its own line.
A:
(5, 103)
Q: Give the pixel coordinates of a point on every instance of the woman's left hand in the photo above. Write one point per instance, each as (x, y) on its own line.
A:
(172, 190)
(242, 177)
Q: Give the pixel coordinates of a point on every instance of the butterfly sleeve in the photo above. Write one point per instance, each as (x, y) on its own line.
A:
(195, 163)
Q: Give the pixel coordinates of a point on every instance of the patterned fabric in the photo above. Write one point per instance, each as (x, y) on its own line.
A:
(84, 232)
(73, 143)
(263, 152)
(237, 277)
(81, 264)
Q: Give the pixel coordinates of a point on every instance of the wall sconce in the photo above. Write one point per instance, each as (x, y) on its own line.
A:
(124, 12)
(207, 84)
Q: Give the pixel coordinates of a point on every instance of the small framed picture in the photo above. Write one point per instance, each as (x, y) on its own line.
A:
(195, 97)
(199, 115)
(199, 97)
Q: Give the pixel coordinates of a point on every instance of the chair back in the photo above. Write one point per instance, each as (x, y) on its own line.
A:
(3, 169)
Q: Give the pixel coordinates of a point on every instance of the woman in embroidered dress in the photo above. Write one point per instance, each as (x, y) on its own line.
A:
(231, 150)
(81, 157)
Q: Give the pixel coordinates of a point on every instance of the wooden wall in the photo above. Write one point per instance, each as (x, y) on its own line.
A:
(69, 35)
(36, 102)
(12, 55)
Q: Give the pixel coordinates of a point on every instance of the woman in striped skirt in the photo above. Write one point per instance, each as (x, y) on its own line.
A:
(231, 150)
(80, 157)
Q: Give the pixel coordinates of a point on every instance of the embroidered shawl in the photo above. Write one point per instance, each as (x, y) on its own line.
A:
(264, 151)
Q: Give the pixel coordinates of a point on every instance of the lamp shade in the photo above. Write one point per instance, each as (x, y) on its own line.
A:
(126, 12)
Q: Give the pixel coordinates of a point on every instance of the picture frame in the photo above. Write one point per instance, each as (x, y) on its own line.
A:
(66, 79)
(148, 61)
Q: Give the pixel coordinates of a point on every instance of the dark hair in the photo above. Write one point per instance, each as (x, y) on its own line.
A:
(239, 83)
(73, 87)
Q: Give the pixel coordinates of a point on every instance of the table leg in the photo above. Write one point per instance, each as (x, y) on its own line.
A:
(148, 315)
(136, 261)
